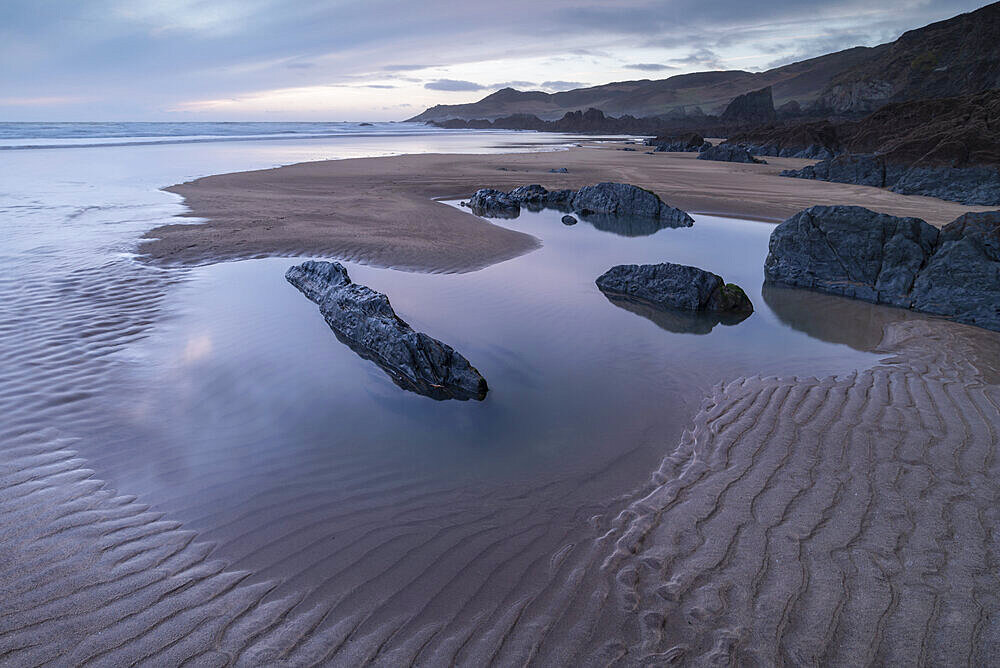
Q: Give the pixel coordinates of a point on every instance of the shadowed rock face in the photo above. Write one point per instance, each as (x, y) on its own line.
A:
(612, 207)
(364, 320)
(729, 153)
(751, 108)
(674, 286)
(851, 251)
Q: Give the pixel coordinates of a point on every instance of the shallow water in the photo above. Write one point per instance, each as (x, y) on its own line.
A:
(219, 396)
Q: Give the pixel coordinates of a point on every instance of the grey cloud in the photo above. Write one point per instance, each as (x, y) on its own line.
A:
(404, 68)
(139, 60)
(453, 85)
(701, 58)
(649, 67)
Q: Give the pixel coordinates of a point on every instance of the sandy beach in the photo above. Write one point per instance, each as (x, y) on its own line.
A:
(381, 210)
(184, 484)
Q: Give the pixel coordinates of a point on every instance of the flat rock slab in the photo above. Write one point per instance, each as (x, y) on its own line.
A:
(674, 286)
(364, 320)
(857, 253)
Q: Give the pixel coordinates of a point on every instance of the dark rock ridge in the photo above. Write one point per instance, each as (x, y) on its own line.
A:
(674, 286)
(604, 203)
(751, 108)
(816, 140)
(973, 185)
(944, 147)
(691, 142)
(854, 252)
(729, 153)
(364, 320)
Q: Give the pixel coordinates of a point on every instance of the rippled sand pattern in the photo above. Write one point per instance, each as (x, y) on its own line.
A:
(842, 521)
(839, 521)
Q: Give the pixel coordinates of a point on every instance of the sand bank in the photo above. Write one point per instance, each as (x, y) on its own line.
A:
(381, 211)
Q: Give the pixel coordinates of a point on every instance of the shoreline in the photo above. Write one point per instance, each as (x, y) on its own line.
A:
(385, 211)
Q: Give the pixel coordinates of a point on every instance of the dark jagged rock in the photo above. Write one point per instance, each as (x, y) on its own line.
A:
(494, 204)
(974, 185)
(751, 108)
(688, 143)
(674, 286)
(568, 220)
(622, 199)
(729, 153)
(815, 140)
(614, 207)
(947, 148)
(851, 251)
(962, 279)
(364, 320)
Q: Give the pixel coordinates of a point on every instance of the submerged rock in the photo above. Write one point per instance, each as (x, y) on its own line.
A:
(730, 153)
(364, 320)
(854, 252)
(675, 286)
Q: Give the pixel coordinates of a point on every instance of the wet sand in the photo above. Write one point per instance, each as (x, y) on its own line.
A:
(843, 520)
(832, 521)
(380, 210)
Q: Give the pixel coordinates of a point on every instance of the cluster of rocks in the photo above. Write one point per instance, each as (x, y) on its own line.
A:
(364, 320)
(674, 286)
(603, 199)
(975, 185)
(687, 143)
(905, 262)
(730, 153)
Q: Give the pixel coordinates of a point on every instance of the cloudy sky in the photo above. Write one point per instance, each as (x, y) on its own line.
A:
(388, 60)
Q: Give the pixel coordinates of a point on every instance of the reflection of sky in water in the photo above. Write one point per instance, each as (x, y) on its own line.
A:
(248, 368)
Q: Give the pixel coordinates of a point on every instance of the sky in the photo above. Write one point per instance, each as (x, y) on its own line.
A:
(333, 60)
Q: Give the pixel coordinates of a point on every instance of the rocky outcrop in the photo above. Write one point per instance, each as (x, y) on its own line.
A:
(955, 57)
(816, 140)
(604, 202)
(962, 278)
(751, 108)
(494, 204)
(674, 286)
(622, 199)
(905, 262)
(691, 142)
(364, 320)
(946, 147)
(973, 185)
(730, 153)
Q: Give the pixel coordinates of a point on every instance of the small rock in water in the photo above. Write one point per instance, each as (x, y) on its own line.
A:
(568, 220)
(675, 286)
(364, 320)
